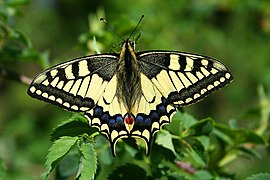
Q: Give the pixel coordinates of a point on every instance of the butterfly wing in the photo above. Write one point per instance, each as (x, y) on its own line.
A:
(183, 78)
(87, 85)
(75, 85)
(172, 79)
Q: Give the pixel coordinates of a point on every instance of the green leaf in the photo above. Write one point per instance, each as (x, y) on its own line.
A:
(204, 140)
(57, 151)
(195, 158)
(75, 126)
(239, 136)
(261, 176)
(252, 137)
(68, 165)
(164, 138)
(175, 125)
(202, 175)
(2, 169)
(181, 122)
(88, 164)
(202, 127)
(250, 151)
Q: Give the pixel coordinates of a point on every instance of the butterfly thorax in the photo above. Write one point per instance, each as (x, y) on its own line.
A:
(128, 78)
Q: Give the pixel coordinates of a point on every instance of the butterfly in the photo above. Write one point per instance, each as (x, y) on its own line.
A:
(130, 94)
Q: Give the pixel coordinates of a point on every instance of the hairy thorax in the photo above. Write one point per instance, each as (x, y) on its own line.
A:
(128, 79)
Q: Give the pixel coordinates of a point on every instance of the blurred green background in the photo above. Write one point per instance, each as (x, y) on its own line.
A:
(237, 32)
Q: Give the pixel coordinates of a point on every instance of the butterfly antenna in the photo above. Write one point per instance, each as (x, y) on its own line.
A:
(112, 29)
(136, 27)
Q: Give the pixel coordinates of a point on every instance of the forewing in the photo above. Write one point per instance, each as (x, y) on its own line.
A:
(76, 85)
(183, 78)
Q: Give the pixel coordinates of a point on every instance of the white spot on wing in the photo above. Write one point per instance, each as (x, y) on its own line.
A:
(222, 79)
(227, 75)
(176, 81)
(146, 134)
(60, 85)
(204, 71)
(46, 82)
(164, 119)
(54, 72)
(95, 86)
(199, 75)
(38, 92)
(174, 64)
(54, 82)
(213, 71)
(76, 87)
(165, 83)
(66, 104)
(147, 88)
(83, 68)
(84, 86)
(191, 77)
(204, 62)
(45, 95)
(189, 65)
(51, 97)
(110, 90)
(185, 81)
(68, 85)
(68, 72)
(114, 135)
(32, 89)
(155, 125)
(59, 100)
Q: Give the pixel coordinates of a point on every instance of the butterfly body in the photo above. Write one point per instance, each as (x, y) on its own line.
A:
(130, 94)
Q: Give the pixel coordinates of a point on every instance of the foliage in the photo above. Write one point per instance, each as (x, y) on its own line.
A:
(188, 148)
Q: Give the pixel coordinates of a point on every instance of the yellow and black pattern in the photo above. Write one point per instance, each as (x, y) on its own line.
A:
(130, 94)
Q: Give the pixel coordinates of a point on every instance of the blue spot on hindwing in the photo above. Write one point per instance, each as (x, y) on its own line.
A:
(105, 117)
(139, 120)
(98, 112)
(161, 110)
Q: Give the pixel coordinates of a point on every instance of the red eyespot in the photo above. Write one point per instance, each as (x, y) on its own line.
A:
(129, 119)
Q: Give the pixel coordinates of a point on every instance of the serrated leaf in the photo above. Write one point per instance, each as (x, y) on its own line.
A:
(128, 171)
(202, 127)
(68, 165)
(261, 176)
(75, 126)
(72, 128)
(57, 151)
(164, 138)
(88, 165)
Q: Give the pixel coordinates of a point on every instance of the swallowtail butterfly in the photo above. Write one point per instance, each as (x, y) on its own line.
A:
(130, 94)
